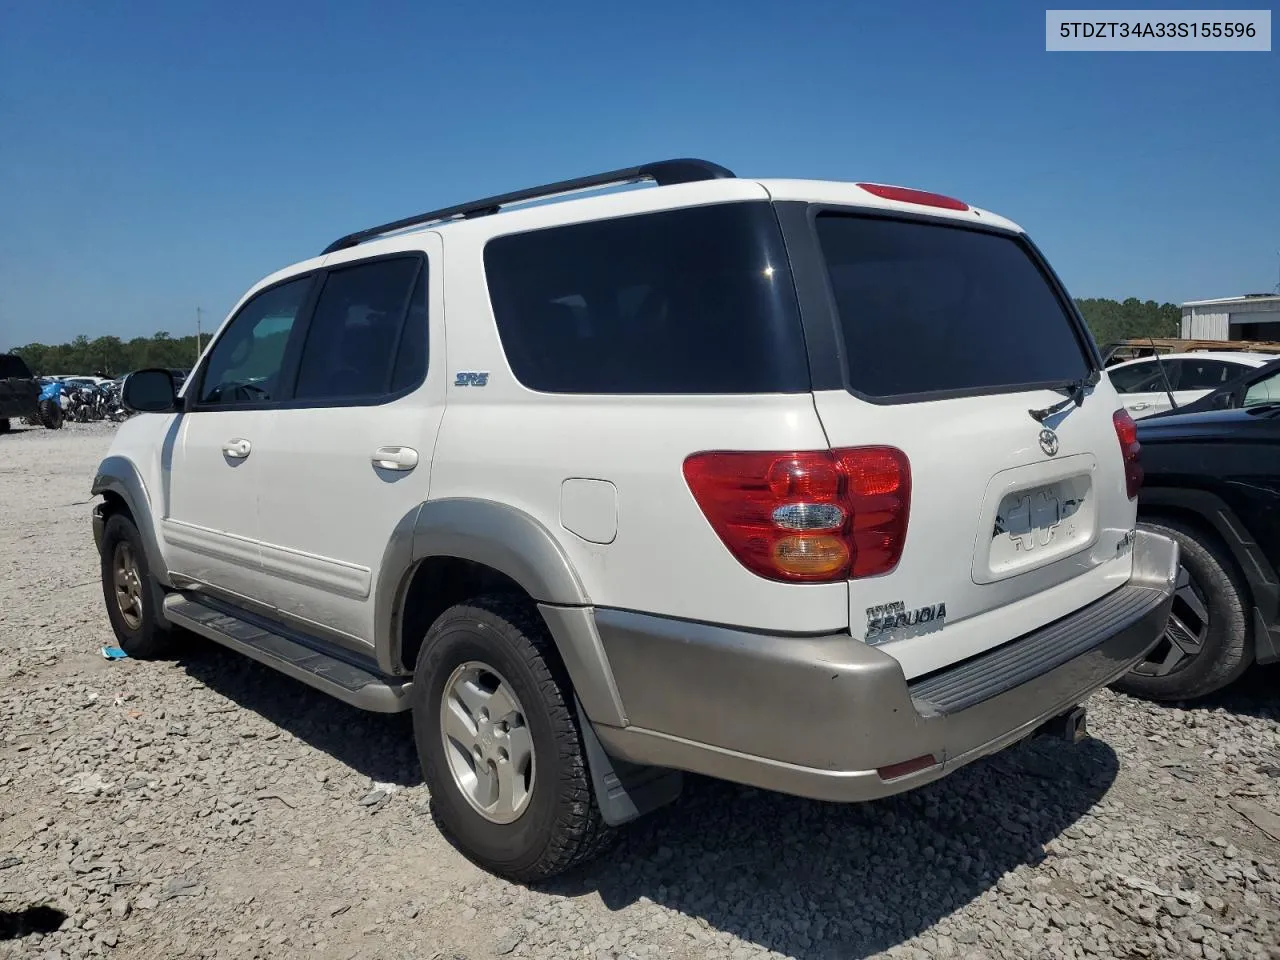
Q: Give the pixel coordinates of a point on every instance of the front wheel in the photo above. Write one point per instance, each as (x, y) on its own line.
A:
(1206, 643)
(498, 737)
(131, 594)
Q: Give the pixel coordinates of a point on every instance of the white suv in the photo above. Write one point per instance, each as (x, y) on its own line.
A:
(809, 485)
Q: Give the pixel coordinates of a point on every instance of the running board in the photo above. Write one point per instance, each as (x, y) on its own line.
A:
(338, 674)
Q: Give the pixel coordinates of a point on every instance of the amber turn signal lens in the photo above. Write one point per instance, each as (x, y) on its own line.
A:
(810, 555)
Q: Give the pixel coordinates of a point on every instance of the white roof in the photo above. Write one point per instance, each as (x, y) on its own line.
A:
(579, 207)
(1242, 357)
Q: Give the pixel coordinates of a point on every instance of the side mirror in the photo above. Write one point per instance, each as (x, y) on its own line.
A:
(150, 391)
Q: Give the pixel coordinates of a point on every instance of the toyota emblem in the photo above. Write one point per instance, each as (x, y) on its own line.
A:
(1048, 441)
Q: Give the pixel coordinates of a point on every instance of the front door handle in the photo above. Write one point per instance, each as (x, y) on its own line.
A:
(1139, 406)
(237, 449)
(395, 458)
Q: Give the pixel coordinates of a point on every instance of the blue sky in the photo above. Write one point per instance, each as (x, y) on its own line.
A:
(157, 157)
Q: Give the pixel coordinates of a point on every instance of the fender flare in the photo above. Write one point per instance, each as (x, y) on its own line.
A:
(516, 544)
(119, 476)
(1214, 511)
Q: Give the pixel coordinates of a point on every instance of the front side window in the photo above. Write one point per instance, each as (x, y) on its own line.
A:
(1141, 377)
(244, 365)
(355, 334)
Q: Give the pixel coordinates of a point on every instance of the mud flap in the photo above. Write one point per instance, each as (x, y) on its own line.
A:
(625, 790)
(1266, 640)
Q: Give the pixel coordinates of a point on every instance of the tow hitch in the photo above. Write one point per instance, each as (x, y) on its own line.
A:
(1069, 726)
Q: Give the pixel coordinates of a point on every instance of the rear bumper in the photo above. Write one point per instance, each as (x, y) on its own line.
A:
(824, 717)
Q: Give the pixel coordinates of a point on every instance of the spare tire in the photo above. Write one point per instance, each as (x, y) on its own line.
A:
(51, 414)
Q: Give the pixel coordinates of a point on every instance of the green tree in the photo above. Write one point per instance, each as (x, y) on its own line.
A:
(1110, 320)
(109, 355)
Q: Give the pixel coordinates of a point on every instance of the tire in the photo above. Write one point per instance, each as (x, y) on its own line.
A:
(1211, 605)
(51, 414)
(560, 825)
(4, 426)
(140, 632)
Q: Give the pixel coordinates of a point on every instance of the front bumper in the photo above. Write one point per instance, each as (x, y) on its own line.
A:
(831, 718)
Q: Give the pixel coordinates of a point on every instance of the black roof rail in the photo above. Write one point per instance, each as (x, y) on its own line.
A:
(661, 172)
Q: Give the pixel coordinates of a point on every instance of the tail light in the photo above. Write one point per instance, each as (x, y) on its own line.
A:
(1130, 449)
(809, 517)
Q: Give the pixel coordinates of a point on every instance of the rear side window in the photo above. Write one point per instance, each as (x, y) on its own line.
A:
(926, 308)
(355, 334)
(697, 300)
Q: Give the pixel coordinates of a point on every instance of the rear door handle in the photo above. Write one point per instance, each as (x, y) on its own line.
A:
(1139, 406)
(395, 458)
(237, 449)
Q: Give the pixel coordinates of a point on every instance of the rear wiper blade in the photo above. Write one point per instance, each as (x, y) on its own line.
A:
(1075, 394)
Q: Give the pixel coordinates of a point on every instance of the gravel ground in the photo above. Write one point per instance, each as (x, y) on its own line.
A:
(208, 807)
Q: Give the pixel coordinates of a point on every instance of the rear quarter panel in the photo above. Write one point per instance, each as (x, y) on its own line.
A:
(509, 444)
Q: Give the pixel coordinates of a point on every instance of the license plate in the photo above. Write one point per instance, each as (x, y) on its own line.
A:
(1036, 525)
(1033, 518)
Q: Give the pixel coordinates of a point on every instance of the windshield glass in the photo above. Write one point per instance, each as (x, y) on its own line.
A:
(1266, 390)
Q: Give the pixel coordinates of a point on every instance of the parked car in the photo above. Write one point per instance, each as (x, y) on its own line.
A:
(19, 392)
(1133, 348)
(1211, 484)
(642, 496)
(1142, 383)
(1256, 386)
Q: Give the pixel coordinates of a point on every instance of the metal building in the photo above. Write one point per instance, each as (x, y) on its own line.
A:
(1255, 316)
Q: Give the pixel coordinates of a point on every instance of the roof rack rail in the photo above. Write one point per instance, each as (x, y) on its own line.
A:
(661, 172)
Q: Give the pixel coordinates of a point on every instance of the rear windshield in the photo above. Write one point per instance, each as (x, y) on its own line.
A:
(696, 300)
(12, 365)
(926, 309)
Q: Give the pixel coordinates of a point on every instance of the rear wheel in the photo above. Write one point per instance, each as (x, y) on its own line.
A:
(4, 426)
(131, 595)
(1206, 644)
(51, 414)
(499, 742)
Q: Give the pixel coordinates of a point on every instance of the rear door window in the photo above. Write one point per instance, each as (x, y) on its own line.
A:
(691, 301)
(926, 308)
(1207, 374)
(355, 331)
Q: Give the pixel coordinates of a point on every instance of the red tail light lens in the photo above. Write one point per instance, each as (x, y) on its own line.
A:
(1130, 449)
(908, 195)
(809, 517)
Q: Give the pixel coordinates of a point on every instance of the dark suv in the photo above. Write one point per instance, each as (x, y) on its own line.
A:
(1213, 485)
(19, 392)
